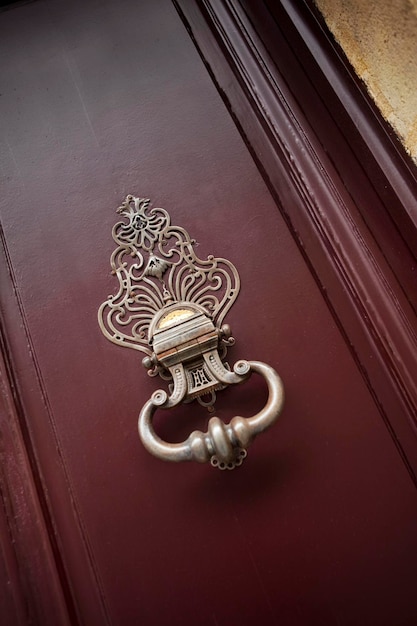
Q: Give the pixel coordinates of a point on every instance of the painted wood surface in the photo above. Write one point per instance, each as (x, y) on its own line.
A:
(318, 525)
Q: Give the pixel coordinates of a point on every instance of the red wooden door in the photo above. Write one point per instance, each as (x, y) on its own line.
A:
(319, 524)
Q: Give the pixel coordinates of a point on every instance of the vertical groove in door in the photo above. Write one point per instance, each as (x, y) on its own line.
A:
(41, 517)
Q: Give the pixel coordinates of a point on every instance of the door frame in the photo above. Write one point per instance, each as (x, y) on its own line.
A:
(342, 182)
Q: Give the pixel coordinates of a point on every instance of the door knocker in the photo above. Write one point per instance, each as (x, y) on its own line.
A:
(171, 305)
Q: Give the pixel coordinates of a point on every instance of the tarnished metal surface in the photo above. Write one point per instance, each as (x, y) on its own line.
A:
(170, 304)
(224, 445)
(156, 265)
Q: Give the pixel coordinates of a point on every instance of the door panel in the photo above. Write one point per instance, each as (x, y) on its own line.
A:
(318, 526)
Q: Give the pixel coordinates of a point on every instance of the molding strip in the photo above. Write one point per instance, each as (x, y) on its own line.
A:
(34, 583)
(59, 588)
(368, 303)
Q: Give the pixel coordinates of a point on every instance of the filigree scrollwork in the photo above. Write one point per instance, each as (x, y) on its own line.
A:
(155, 264)
(170, 304)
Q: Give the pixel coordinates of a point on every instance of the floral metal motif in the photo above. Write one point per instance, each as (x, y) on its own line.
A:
(170, 304)
(155, 264)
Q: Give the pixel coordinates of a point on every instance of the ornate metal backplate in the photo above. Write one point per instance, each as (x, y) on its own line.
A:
(170, 304)
(155, 264)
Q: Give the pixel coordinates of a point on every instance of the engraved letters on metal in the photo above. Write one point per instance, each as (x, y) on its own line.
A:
(170, 305)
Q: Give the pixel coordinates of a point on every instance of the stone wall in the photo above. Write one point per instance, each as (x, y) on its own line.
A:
(379, 37)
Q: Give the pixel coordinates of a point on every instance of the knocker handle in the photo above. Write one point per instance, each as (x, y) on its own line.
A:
(170, 305)
(224, 445)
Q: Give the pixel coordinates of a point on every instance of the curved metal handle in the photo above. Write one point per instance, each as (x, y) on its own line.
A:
(223, 444)
(171, 304)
